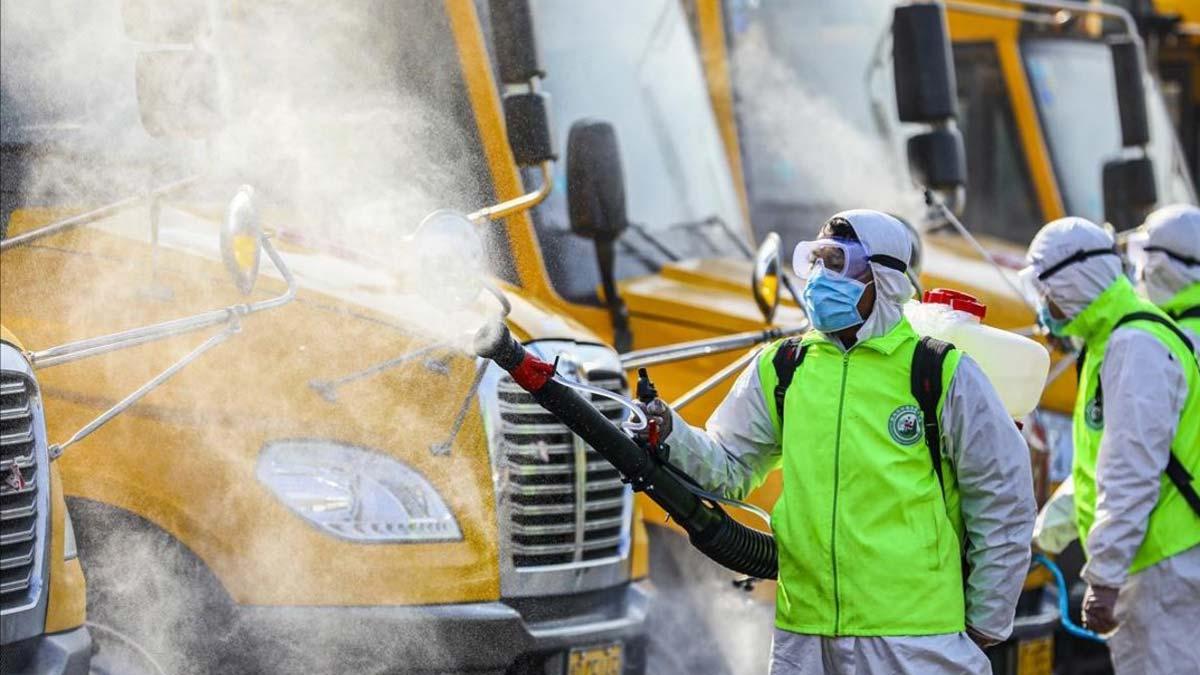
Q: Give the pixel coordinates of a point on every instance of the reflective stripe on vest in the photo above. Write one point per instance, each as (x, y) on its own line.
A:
(867, 545)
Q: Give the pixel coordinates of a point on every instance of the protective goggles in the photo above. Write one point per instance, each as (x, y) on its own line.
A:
(839, 257)
(1033, 282)
(1138, 250)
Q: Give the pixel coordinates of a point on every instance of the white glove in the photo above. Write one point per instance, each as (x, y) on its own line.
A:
(1055, 526)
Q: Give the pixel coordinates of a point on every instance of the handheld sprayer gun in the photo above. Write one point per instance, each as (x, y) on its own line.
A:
(710, 529)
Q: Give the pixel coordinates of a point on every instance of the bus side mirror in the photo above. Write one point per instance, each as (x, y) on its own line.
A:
(165, 21)
(1131, 91)
(241, 240)
(1130, 191)
(595, 181)
(764, 278)
(515, 41)
(526, 113)
(596, 207)
(527, 119)
(937, 160)
(177, 93)
(926, 93)
(922, 64)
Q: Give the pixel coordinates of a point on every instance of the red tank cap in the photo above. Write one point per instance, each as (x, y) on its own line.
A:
(957, 300)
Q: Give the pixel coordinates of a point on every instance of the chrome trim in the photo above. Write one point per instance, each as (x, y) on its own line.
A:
(18, 560)
(92, 216)
(683, 351)
(229, 316)
(518, 204)
(715, 379)
(519, 458)
(28, 618)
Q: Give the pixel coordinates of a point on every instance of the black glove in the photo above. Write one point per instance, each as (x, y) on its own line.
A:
(1100, 608)
(658, 413)
(980, 639)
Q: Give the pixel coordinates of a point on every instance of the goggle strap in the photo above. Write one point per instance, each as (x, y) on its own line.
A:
(889, 262)
(1078, 256)
(1190, 262)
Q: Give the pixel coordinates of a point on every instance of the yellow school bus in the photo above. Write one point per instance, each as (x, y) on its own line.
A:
(342, 487)
(43, 602)
(1171, 29)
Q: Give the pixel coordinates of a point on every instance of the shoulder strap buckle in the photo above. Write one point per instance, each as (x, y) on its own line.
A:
(787, 359)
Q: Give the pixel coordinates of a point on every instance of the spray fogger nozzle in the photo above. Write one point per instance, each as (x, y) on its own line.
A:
(646, 391)
(709, 527)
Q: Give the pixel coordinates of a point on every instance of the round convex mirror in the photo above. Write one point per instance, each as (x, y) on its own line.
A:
(764, 279)
(450, 259)
(241, 239)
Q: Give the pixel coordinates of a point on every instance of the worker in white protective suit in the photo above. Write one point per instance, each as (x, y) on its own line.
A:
(871, 531)
(1165, 253)
(1137, 416)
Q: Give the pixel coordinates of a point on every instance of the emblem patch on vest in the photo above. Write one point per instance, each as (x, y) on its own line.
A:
(905, 424)
(1093, 415)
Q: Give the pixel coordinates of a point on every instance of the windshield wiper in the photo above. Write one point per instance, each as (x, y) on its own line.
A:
(714, 219)
(655, 242)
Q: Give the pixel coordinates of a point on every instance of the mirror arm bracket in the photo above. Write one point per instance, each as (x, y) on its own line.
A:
(73, 351)
(234, 326)
(715, 379)
(1073, 6)
(517, 204)
(89, 217)
(683, 351)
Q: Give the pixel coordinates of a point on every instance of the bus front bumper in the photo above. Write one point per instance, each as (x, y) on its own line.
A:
(527, 635)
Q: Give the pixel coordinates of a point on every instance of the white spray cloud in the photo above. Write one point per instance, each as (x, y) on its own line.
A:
(351, 121)
(810, 148)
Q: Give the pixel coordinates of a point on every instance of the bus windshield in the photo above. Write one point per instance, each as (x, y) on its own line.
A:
(633, 64)
(814, 104)
(1076, 98)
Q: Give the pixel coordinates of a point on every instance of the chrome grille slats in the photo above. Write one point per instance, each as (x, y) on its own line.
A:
(564, 503)
(20, 493)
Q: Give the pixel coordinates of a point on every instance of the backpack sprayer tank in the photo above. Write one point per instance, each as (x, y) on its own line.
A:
(1015, 365)
(711, 530)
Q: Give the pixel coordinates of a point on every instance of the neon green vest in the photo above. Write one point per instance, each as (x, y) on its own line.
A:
(1173, 526)
(867, 544)
(1183, 300)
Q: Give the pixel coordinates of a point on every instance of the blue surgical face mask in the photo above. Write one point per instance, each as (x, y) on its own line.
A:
(832, 302)
(1049, 322)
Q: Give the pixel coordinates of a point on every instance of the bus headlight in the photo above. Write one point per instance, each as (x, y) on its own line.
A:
(354, 493)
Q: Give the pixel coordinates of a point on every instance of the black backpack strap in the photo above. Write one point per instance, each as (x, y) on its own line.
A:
(787, 359)
(1187, 313)
(1176, 472)
(1159, 319)
(927, 362)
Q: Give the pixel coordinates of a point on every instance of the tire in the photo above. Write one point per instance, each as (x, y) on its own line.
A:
(699, 624)
(145, 588)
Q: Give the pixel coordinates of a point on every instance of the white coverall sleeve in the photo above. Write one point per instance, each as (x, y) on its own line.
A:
(1056, 527)
(737, 448)
(1144, 390)
(995, 482)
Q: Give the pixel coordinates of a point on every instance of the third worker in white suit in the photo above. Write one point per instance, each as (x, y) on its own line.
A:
(1136, 440)
(877, 510)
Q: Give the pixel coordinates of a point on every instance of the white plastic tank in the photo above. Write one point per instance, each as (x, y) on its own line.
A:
(1016, 365)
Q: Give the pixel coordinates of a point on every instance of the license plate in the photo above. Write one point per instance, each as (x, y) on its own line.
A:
(1035, 657)
(602, 660)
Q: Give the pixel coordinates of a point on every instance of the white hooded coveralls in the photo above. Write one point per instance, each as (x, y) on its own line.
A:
(1144, 388)
(739, 447)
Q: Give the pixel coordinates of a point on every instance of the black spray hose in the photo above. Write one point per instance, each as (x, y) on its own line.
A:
(711, 530)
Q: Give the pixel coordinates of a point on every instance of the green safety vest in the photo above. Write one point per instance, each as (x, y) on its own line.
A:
(1185, 308)
(1173, 526)
(868, 544)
